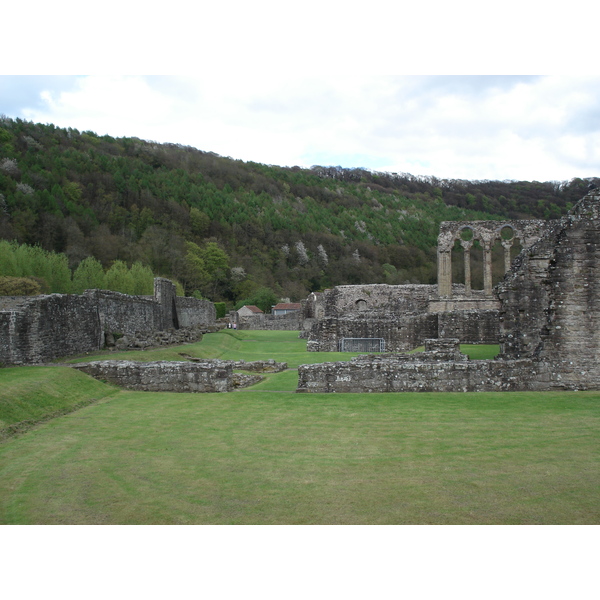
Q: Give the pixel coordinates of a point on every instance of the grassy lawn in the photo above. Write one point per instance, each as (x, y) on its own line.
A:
(266, 455)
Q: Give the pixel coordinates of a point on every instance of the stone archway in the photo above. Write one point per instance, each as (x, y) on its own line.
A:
(486, 233)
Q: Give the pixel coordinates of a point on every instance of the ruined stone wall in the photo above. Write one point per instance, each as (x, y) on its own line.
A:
(413, 375)
(441, 368)
(402, 315)
(124, 314)
(470, 326)
(487, 233)
(403, 334)
(165, 296)
(12, 302)
(163, 376)
(399, 334)
(291, 321)
(381, 299)
(549, 327)
(193, 313)
(550, 302)
(48, 327)
(43, 328)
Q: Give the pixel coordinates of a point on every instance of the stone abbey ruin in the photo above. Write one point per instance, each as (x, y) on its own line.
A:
(544, 315)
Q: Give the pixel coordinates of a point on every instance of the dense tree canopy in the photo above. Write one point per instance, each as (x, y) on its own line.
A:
(226, 228)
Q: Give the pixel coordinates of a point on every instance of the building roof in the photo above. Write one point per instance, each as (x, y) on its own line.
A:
(288, 306)
(253, 308)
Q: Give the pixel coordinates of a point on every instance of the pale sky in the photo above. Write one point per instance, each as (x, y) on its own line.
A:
(416, 90)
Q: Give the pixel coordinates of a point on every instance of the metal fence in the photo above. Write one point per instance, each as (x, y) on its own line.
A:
(362, 345)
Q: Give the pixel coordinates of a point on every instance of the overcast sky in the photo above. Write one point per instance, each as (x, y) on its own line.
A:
(328, 84)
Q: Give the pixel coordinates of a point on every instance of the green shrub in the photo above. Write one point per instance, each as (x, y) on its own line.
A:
(221, 309)
(19, 286)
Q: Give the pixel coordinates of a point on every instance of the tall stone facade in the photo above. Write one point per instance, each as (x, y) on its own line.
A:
(550, 300)
(44, 328)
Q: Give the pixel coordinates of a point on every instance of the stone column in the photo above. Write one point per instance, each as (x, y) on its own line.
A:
(467, 258)
(444, 272)
(507, 245)
(487, 268)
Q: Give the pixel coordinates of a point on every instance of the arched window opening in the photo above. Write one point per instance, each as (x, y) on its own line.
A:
(477, 266)
(458, 263)
(504, 251)
(498, 262)
(361, 305)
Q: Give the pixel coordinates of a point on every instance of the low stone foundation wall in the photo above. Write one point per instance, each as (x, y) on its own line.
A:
(152, 339)
(163, 376)
(413, 373)
(259, 366)
(441, 368)
(256, 366)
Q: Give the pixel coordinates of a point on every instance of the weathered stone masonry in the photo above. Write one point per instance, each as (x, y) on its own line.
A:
(438, 369)
(44, 328)
(48, 327)
(551, 300)
(402, 315)
(487, 233)
(194, 375)
(549, 313)
(289, 322)
(163, 376)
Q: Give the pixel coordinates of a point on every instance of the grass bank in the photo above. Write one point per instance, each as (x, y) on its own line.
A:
(33, 395)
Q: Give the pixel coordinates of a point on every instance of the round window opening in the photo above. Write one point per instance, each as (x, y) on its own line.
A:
(361, 305)
(466, 234)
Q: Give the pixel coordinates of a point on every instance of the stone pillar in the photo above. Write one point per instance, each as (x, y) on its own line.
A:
(444, 272)
(507, 245)
(467, 258)
(487, 268)
(165, 295)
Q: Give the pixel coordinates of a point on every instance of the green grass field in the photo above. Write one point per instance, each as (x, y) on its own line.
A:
(265, 455)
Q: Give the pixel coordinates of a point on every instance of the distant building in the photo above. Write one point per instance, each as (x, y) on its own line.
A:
(283, 308)
(248, 311)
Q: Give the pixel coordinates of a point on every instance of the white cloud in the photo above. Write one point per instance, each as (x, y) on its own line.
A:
(541, 128)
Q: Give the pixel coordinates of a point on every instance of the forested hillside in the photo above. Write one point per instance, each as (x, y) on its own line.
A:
(225, 228)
